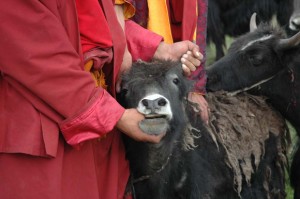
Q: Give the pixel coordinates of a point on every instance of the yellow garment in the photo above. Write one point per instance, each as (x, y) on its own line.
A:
(129, 9)
(98, 76)
(159, 19)
(195, 32)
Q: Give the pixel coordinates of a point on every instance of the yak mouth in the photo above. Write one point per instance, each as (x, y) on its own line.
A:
(153, 116)
(154, 124)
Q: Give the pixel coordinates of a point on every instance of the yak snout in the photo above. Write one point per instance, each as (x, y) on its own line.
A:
(155, 104)
(157, 111)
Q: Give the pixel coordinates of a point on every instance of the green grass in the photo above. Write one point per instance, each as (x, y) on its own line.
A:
(210, 53)
(294, 138)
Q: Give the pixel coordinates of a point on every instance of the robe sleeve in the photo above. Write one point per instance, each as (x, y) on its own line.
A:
(141, 42)
(40, 57)
(200, 74)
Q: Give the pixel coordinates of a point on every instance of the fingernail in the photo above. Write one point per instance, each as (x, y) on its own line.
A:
(189, 52)
(184, 66)
(185, 56)
(198, 54)
(183, 59)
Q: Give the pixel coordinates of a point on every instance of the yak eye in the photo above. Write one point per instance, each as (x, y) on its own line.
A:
(176, 81)
(256, 61)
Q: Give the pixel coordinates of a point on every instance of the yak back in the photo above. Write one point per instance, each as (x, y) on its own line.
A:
(240, 154)
(255, 137)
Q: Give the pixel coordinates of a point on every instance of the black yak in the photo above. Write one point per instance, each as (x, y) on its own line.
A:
(231, 17)
(193, 160)
(266, 63)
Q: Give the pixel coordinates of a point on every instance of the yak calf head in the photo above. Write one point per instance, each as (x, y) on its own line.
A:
(157, 92)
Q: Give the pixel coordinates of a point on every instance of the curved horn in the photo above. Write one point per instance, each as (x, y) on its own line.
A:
(289, 42)
(253, 25)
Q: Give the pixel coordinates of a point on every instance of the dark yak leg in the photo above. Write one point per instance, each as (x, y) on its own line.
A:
(295, 174)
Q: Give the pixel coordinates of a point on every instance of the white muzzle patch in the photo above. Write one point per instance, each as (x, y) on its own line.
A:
(159, 110)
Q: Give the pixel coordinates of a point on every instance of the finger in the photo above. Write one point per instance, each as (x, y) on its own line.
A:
(195, 50)
(192, 46)
(197, 54)
(186, 70)
(189, 64)
(193, 60)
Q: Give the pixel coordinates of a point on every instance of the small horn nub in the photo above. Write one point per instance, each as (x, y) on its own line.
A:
(253, 25)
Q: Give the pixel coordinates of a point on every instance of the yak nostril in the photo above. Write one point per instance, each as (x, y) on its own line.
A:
(145, 102)
(162, 102)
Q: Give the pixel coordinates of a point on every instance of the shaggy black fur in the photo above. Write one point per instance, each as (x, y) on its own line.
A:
(187, 162)
(240, 69)
(173, 172)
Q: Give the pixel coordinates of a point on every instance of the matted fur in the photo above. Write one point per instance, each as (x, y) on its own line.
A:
(242, 124)
(193, 161)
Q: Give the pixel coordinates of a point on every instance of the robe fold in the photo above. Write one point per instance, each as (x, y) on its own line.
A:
(57, 136)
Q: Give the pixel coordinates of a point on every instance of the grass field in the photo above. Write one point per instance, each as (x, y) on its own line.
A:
(210, 53)
(289, 190)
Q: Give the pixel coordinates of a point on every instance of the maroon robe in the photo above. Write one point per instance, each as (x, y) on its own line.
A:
(183, 23)
(49, 103)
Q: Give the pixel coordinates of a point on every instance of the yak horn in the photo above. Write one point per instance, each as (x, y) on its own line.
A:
(289, 42)
(253, 25)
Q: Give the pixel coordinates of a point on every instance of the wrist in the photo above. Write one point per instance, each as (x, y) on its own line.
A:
(162, 51)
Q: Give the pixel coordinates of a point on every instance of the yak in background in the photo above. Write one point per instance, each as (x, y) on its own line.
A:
(265, 62)
(231, 17)
(237, 156)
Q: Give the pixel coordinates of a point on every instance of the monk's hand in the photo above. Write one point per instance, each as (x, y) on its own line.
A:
(203, 108)
(185, 51)
(129, 125)
(190, 61)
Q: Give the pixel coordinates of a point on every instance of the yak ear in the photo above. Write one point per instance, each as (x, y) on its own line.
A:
(289, 42)
(252, 24)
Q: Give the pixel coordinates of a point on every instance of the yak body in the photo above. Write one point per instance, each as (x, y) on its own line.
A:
(266, 63)
(173, 170)
(230, 17)
(189, 162)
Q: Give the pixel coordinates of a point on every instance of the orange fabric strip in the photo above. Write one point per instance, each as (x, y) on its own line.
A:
(159, 19)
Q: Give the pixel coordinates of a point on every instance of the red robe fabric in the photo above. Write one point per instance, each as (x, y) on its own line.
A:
(183, 23)
(49, 103)
(141, 43)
